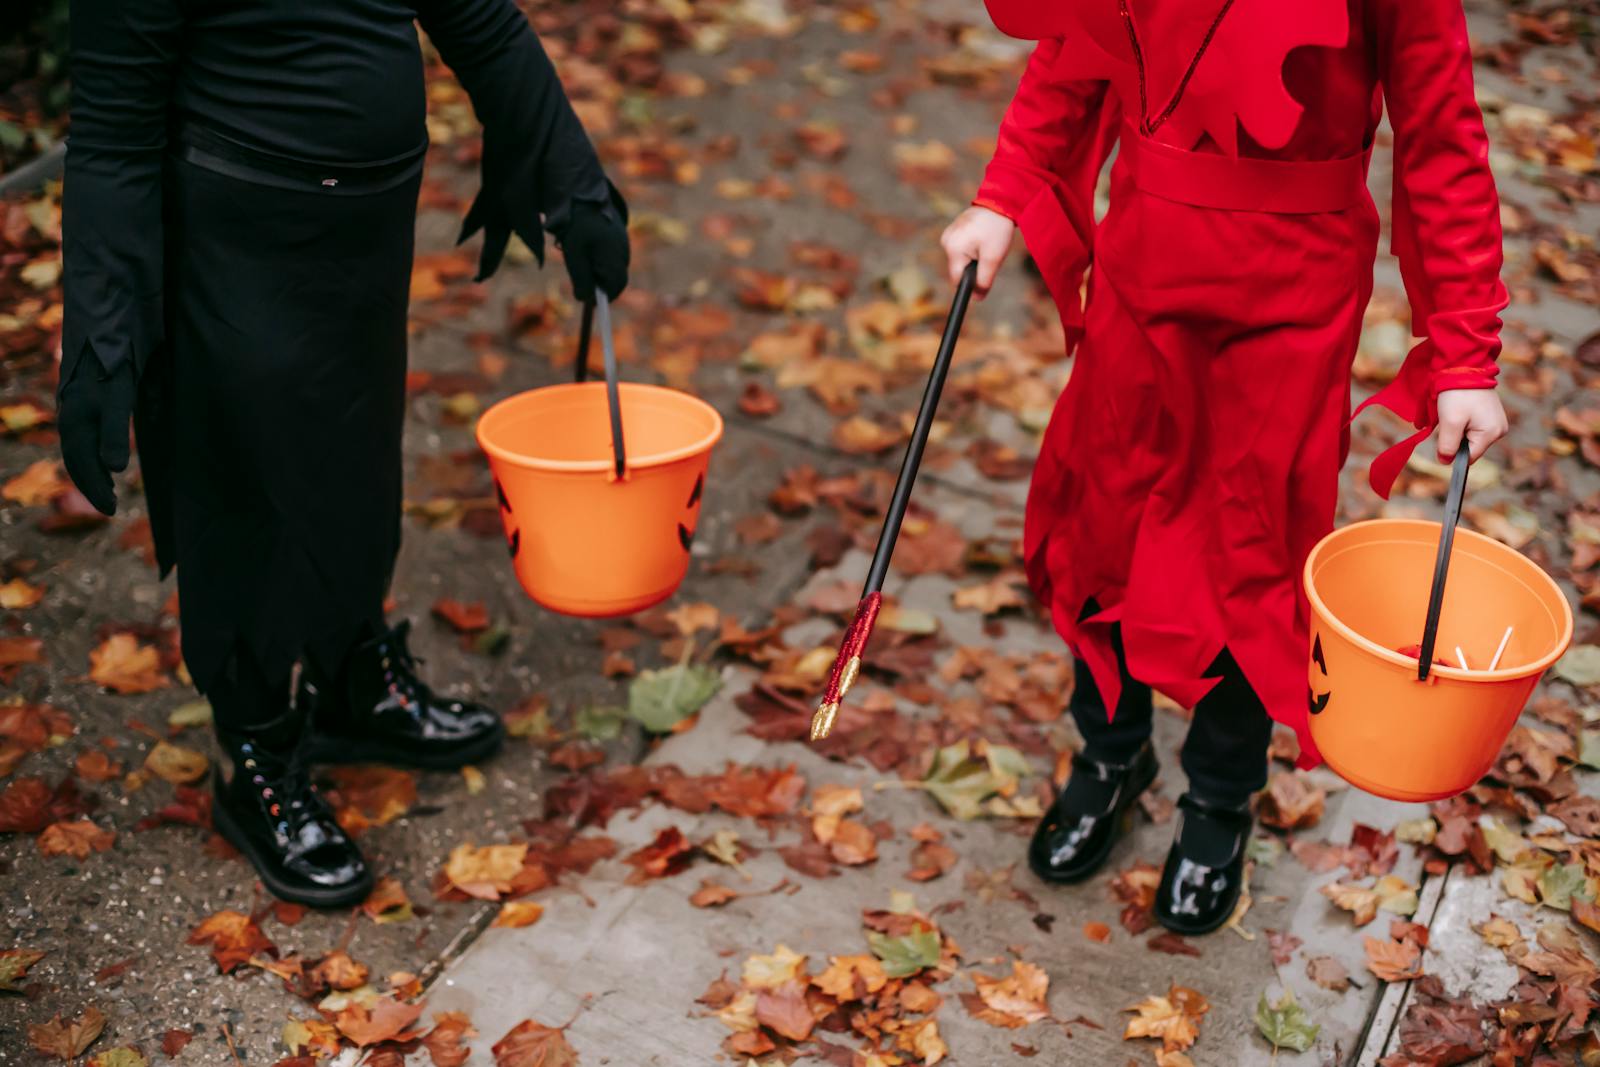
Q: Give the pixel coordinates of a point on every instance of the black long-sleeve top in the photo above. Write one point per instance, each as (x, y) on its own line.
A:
(308, 81)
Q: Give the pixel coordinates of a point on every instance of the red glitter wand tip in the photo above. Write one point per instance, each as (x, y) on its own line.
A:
(847, 665)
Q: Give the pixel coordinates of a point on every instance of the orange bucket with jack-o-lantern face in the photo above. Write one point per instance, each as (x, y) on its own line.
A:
(600, 485)
(1417, 728)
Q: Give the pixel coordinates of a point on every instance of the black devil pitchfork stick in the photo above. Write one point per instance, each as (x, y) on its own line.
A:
(848, 663)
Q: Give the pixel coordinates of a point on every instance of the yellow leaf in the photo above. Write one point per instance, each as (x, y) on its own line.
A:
(769, 972)
(176, 764)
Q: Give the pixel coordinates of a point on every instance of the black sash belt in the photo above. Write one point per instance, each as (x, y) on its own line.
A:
(200, 146)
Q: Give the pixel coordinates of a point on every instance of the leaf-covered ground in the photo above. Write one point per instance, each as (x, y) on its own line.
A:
(658, 869)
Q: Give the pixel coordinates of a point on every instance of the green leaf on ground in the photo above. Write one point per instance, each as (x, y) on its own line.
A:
(1580, 666)
(600, 722)
(907, 954)
(1263, 851)
(194, 713)
(1589, 748)
(660, 700)
(959, 781)
(1560, 883)
(14, 964)
(1285, 1023)
(118, 1057)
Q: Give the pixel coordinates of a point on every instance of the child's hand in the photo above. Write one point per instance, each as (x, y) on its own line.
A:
(978, 234)
(1476, 414)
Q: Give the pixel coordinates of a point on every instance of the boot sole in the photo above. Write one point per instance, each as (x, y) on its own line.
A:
(1124, 814)
(345, 750)
(294, 893)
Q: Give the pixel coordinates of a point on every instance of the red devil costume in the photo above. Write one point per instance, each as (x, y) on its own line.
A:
(241, 192)
(1193, 459)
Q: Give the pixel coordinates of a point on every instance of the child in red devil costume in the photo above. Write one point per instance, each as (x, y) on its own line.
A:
(1193, 460)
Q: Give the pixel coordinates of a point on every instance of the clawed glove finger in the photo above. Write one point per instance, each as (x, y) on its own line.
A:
(79, 422)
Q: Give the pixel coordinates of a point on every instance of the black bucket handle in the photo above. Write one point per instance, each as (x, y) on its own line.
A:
(1441, 565)
(619, 450)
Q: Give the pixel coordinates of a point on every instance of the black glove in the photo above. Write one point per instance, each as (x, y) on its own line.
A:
(594, 242)
(92, 414)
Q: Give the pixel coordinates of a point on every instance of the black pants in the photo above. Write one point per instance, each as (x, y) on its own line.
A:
(1225, 753)
(277, 457)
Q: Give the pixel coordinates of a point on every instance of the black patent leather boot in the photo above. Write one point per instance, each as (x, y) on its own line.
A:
(269, 810)
(1076, 835)
(381, 712)
(1204, 874)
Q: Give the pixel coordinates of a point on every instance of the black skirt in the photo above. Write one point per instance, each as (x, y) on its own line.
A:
(270, 426)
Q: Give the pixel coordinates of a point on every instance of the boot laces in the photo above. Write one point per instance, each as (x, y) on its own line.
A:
(284, 785)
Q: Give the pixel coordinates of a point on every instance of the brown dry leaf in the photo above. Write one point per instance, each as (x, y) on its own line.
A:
(931, 859)
(1097, 932)
(463, 618)
(759, 402)
(371, 795)
(445, 1041)
(1393, 961)
(1292, 802)
(388, 902)
(234, 937)
(1174, 1019)
(784, 1010)
(920, 1037)
(17, 594)
(19, 651)
(41, 483)
(853, 844)
(1361, 903)
(175, 1041)
(1018, 999)
(123, 665)
(690, 619)
(176, 764)
(29, 728)
(991, 597)
(860, 436)
(487, 872)
(338, 971)
(76, 839)
(93, 765)
(1328, 973)
(669, 853)
(712, 894)
(385, 1019)
(530, 1044)
(67, 1040)
(850, 978)
(519, 913)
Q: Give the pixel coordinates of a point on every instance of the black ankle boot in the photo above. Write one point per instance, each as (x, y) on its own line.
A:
(381, 712)
(1077, 833)
(270, 811)
(1204, 875)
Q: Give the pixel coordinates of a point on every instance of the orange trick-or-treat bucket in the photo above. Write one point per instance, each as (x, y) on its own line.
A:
(593, 530)
(1420, 727)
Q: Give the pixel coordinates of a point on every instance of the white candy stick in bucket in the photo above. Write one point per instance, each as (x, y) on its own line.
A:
(1461, 659)
(1504, 640)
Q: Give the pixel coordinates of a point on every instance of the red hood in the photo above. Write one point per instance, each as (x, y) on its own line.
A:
(1030, 20)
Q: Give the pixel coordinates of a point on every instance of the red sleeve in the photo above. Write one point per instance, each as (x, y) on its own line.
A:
(1053, 141)
(1445, 219)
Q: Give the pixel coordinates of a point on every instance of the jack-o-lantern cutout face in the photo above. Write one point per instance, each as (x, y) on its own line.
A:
(685, 532)
(1316, 701)
(513, 535)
